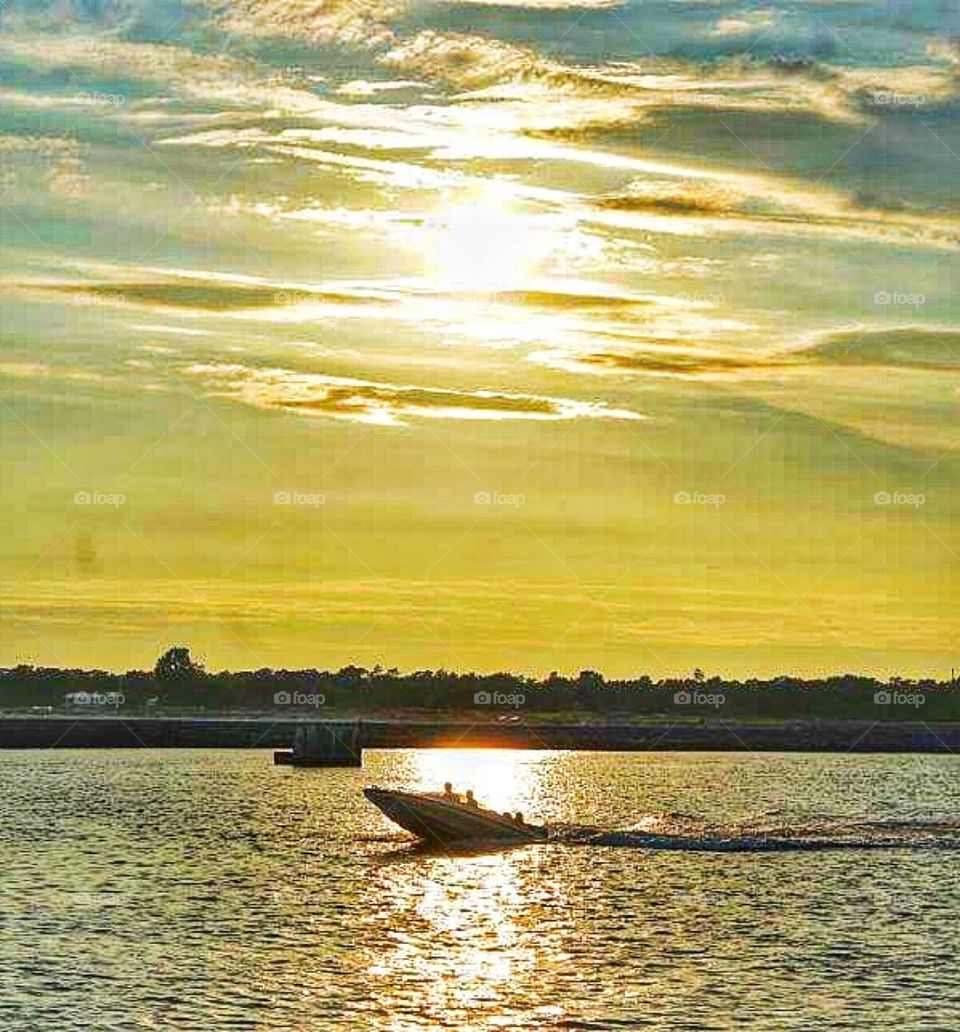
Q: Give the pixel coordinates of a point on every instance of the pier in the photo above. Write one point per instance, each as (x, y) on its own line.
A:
(324, 743)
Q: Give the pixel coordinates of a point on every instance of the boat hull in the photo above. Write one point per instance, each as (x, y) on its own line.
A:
(440, 821)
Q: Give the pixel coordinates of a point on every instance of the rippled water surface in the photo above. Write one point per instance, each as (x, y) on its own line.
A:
(210, 890)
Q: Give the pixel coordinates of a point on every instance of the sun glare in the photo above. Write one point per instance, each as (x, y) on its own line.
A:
(503, 779)
(482, 242)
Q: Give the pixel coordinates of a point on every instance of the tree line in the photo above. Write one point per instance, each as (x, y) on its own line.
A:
(178, 683)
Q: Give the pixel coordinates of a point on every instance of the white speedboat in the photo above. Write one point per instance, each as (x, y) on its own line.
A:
(442, 819)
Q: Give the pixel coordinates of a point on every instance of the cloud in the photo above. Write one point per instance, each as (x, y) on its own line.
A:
(676, 197)
(745, 23)
(899, 407)
(899, 347)
(767, 205)
(533, 87)
(520, 105)
(237, 83)
(385, 404)
(873, 381)
(60, 161)
(194, 291)
(917, 347)
(526, 89)
(368, 88)
(668, 198)
(28, 371)
(547, 5)
(356, 23)
(660, 361)
(572, 313)
(176, 331)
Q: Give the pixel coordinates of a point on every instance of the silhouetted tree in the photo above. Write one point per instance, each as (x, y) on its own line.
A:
(175, 667)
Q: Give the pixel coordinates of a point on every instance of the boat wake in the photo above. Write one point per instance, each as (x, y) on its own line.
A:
(766, 833)
(446, 821)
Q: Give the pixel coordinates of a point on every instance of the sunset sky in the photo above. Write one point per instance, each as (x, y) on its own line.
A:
(528, 335)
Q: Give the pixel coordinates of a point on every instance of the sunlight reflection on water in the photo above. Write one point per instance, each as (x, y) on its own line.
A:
(209, 890)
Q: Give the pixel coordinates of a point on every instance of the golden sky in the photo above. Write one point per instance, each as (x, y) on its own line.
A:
(536, 335)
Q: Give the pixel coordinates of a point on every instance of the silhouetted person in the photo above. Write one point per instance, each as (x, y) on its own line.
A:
(518, 817)
(470, 801)
(448, 792)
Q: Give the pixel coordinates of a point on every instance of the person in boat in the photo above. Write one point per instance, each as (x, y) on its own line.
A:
(470, 801)
(517, 817)
(448, 793)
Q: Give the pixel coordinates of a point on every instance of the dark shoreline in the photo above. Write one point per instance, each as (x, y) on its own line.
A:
(193, 732)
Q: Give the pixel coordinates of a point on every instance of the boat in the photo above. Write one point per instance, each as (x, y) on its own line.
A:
(441, 819)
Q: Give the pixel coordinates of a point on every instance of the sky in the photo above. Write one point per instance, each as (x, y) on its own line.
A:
(528, 335)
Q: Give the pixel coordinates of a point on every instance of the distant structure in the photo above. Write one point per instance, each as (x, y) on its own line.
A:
(323, 743)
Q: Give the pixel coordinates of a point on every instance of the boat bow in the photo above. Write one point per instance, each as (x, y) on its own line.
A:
(443, 820)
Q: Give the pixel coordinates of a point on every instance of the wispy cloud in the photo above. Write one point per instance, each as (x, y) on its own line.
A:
(64, 171)
(385, 404)
(872, 380)
(534, 227)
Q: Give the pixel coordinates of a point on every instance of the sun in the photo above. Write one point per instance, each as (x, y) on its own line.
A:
(482, 242)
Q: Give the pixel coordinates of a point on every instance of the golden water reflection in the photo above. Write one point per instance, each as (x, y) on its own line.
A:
(501, 779)
(463, 932)
(276, 899)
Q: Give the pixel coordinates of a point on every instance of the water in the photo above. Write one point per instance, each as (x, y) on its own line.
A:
(210, 890)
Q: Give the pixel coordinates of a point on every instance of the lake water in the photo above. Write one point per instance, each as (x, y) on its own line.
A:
(210, 890)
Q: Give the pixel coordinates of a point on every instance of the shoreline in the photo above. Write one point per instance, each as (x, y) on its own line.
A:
(57, 731)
